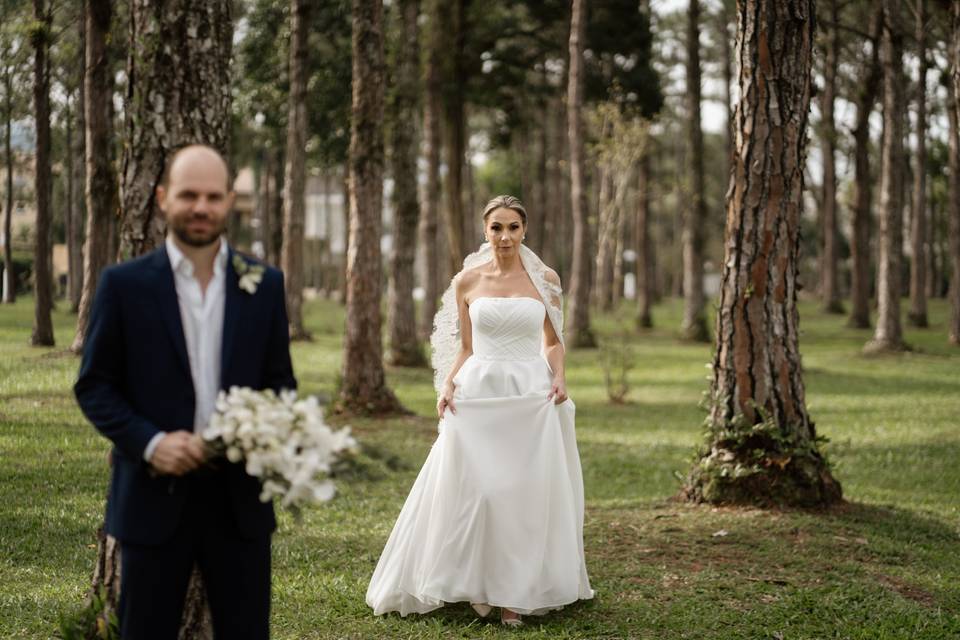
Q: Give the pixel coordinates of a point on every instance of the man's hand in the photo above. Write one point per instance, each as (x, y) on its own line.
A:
(177, 453)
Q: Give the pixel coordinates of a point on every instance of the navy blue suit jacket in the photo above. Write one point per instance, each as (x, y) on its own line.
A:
(135, 382)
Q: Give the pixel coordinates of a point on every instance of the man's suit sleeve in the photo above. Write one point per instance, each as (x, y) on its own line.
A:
(102, 371)
(279, 373)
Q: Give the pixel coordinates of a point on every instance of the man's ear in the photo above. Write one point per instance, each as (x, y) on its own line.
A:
(231, 197)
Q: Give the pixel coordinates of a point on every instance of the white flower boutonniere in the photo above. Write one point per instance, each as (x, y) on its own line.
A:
(250, 274)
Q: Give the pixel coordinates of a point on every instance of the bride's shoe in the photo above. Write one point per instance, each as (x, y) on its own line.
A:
(510, 622)
(483, 610)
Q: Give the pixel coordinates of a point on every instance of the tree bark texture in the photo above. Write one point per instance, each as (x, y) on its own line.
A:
(866, 97)
(404, 346)
(295, 181)
(364, 387)
(178, 92)
(579, 333)
(75, 234)
(644, 245)
(9, 285)
(954, 200)
(100, 183)
(452, 40)
(888, 335)
(42, 249)
(429, 239)
(762, 446)
(694, 324)
(829, 285)
(919, 220)
(73, 216)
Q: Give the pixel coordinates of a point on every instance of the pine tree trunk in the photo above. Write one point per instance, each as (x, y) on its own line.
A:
(72, 217)
(429, 238)
(644, 246)
(42, 277)
(888, 335)
(761, 446)
(100, 188)
(866, 97)
(579, 333)
(179, 58)
(404, 346)
(694, 324)
(450, 16)
(953, 110)
(9, 285)
(364, 387)
(75, 237)
(278, 173)
(829, 285)
(918, 222)
(548, 214)
(295, 181)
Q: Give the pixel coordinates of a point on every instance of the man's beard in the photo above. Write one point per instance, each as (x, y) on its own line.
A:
(204, 240)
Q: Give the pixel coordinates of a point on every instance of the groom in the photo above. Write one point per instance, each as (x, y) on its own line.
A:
(167, 332)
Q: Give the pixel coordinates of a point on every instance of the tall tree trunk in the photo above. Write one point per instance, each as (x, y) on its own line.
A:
(620, 241)
(761, 446)
(179, 62)
(888, 335)
(694, 324)
(866, 97)
(829, 285)
(728, 12)
(548, 214)
(76, 233)
(364, 387)
(100, 185)
(953, 110)
(42, 277)
(295, 182)
(73, 220)
(919, 222)
(9, 285)
(451, 16)
(644, 245)
(431, 197)
(579, 331)
(275, 210)
(404, 346)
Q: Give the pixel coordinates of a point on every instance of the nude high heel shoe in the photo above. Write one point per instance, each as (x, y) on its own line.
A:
(483, 610)
(510, 622)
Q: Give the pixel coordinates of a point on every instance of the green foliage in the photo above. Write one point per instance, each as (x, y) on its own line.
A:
(95, 621)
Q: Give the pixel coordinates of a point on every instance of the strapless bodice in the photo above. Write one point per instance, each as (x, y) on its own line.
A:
(507, 328)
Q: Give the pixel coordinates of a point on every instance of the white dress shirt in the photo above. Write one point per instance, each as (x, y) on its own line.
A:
(201, 315)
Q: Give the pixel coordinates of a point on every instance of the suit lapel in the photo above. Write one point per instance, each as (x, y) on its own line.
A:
(231, 311)
(169, 305)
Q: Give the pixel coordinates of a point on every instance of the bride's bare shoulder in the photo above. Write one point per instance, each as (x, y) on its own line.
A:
(467, 279)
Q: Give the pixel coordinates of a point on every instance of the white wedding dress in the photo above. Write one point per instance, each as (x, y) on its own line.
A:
(496, 513)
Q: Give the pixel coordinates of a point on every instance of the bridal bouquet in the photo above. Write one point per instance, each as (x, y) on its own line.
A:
(281, 440)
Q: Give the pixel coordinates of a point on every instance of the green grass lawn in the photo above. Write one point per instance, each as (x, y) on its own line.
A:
(884, 565)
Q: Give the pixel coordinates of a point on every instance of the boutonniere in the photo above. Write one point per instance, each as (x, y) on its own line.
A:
(250, 274)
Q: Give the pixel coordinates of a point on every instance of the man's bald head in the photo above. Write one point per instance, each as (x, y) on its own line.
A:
(192, 154)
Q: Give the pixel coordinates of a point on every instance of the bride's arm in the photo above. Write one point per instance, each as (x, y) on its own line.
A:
(553, 350)
(466, 347)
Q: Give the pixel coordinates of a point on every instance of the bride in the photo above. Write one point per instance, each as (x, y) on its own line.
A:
(495, 517)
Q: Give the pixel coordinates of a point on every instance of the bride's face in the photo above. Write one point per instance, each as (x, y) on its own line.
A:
(505, 230)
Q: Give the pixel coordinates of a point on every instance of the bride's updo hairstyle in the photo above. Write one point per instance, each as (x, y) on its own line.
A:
(505, 202)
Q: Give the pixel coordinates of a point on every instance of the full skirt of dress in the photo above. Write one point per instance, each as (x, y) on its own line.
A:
(496, 513)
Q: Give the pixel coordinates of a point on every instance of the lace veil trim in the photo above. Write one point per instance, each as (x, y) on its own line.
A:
(445, 340)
